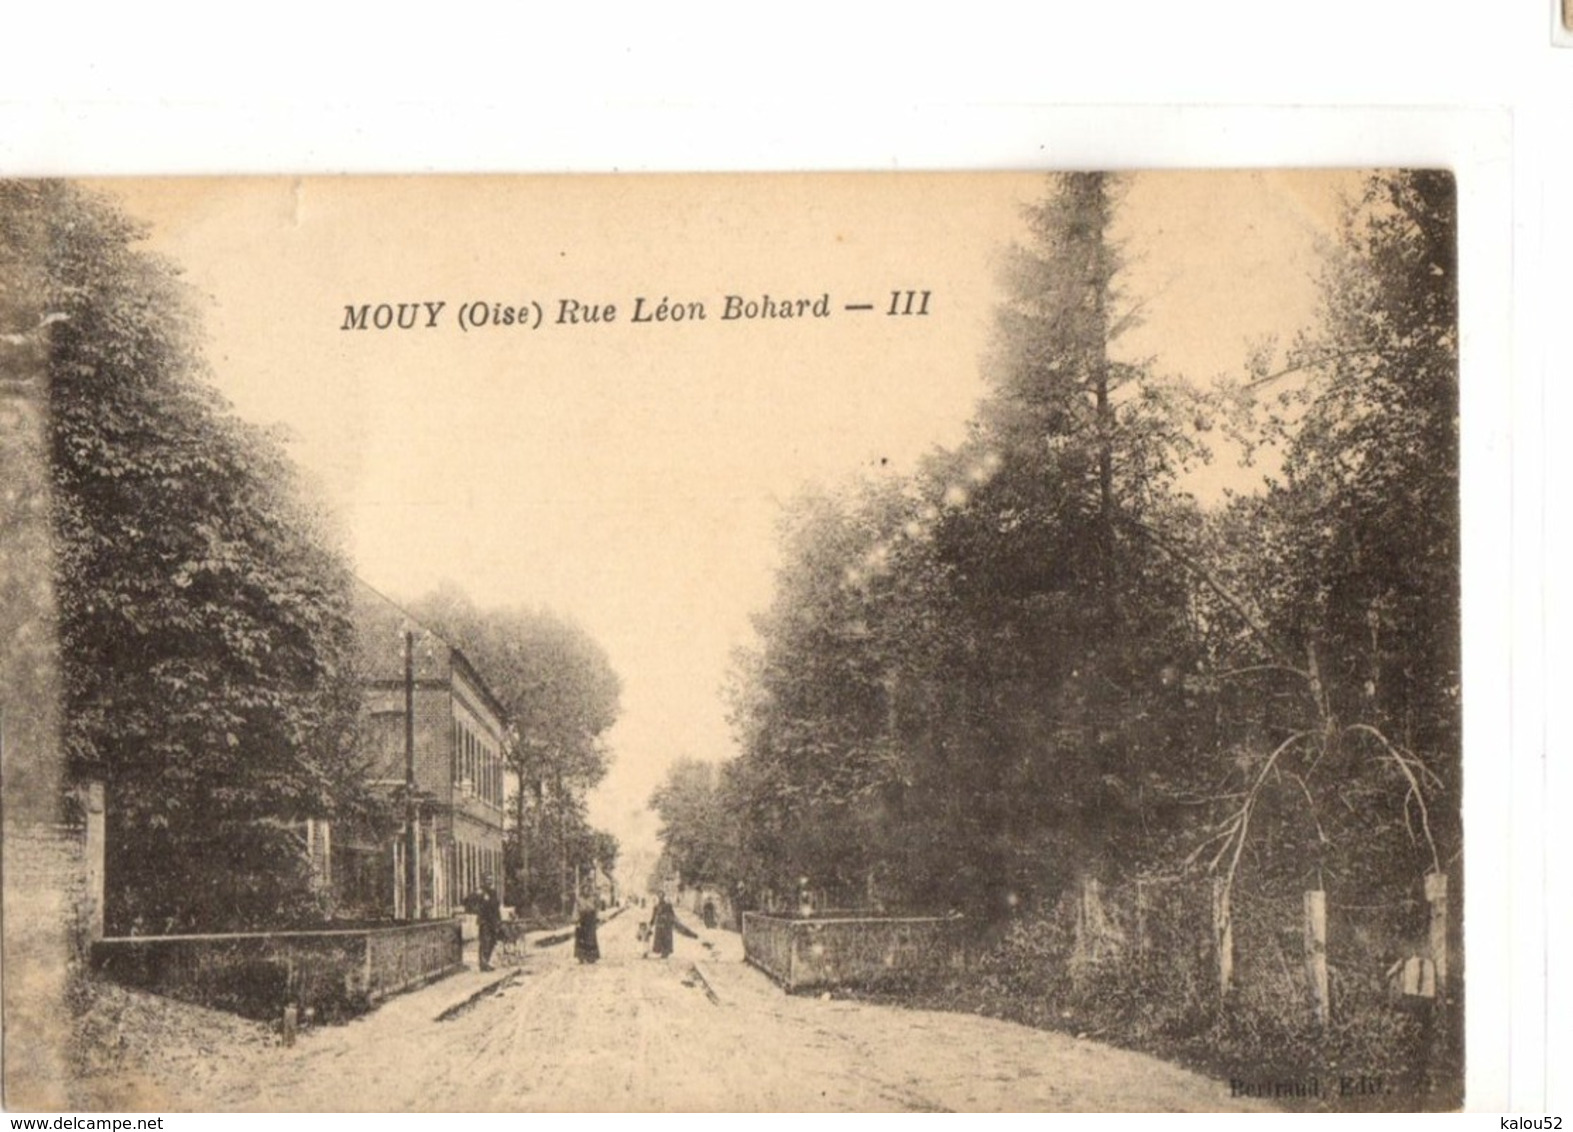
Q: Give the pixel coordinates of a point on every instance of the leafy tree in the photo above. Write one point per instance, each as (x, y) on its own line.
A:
(604, 850)
(1349, 733)
(1076, 622)
(965, 692)
(1374, 468)
(1037, 659)
(697, 831)
(811, 708)
(561, 696)
(204, 622)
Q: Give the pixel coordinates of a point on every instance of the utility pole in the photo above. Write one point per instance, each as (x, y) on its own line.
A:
(411, 878)
(519, 757)
(562, 847)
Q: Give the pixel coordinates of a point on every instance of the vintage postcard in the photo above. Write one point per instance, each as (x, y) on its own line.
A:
(861, 642)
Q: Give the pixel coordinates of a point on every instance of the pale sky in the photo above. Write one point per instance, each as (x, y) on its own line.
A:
(630, 476)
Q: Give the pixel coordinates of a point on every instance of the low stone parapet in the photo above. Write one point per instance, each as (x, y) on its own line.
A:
(256, 974)
(850, 950)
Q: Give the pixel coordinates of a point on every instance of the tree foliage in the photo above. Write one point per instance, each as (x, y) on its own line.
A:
(204, 613)
(553, 680)
(698, 830)
(561, 696)
(965, 690)
(1038, 659)
(1346, 716)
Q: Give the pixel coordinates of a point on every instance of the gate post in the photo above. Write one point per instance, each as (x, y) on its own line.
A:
(1436, 896)
(93, 861)
(1223, 936)
(1316, 953)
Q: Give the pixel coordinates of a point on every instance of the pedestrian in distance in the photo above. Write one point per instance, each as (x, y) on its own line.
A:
(662, 921)
(586, 947)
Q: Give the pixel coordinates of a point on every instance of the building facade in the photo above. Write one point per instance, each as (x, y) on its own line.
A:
(436, 742)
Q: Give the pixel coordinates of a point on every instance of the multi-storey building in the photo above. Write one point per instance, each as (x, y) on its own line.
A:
(431, 722)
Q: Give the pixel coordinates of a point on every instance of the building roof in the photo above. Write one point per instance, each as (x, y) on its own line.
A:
(380, 625)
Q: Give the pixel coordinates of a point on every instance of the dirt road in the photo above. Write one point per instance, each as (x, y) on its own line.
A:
(698, 1031)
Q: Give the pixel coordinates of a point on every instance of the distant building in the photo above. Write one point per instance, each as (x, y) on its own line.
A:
(459, 743)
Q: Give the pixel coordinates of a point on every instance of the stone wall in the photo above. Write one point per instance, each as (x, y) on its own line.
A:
(53, 909)
(407, 956)
(256, 974)
(801, 953)
(767, 944)
(40, 862)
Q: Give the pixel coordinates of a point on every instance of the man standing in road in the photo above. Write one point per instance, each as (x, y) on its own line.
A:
(586, 947)
(488, 916)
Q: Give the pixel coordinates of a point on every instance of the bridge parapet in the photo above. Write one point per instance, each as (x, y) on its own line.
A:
(850, 949)
(256, 974)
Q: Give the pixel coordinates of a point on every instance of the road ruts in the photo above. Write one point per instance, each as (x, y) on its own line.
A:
(632, 1033)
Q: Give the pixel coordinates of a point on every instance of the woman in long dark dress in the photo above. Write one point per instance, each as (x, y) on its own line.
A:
(662, 920)
(586, 947)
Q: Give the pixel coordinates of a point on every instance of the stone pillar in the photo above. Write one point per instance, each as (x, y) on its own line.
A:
(36, 939)
(1436, 897)
(1316, 954)
(92, 794)
(1223, 936)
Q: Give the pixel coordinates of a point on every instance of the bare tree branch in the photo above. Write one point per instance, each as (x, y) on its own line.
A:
(1407, 767)
(1251, 618)
(1309, 363)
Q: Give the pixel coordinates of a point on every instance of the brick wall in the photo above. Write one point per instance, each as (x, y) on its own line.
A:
(434, 740)
(433, 736)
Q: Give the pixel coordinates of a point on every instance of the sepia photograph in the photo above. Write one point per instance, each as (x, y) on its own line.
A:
(751, 642)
